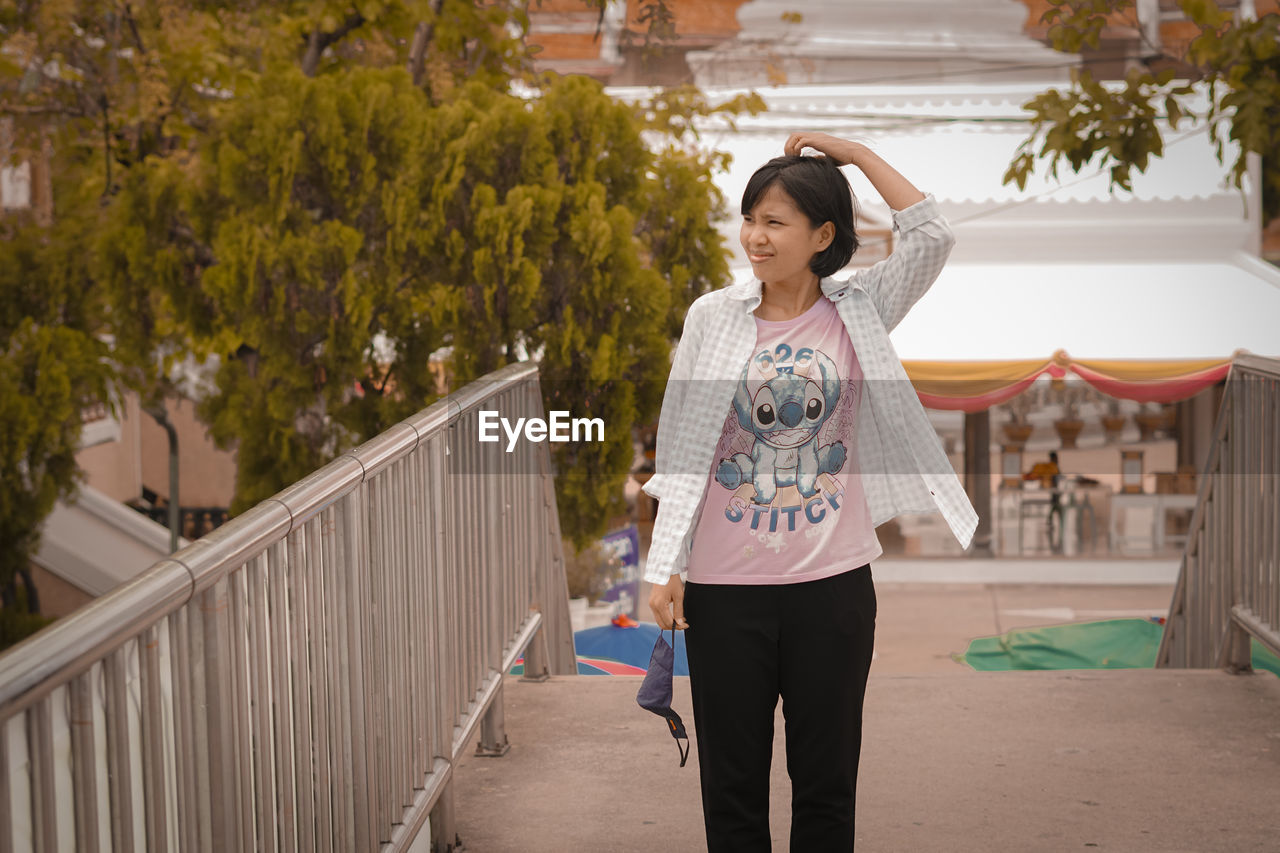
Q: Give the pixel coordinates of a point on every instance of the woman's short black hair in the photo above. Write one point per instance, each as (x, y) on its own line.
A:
(822, 192)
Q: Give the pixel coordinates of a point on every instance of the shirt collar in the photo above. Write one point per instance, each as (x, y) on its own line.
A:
(750, 292)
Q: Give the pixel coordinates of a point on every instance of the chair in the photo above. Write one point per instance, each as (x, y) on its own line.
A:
(1138, 530)
(1038, 510)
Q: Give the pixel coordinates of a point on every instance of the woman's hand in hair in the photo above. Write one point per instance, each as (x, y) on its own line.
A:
(897, 191)
(842, 151)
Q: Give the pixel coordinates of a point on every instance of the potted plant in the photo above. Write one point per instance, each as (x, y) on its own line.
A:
(589, 572)
(1149, 421)
(1018, 428)
(1113, 421)
(1069, 425)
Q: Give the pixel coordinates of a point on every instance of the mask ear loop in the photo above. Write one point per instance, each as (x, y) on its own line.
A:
(684, 750)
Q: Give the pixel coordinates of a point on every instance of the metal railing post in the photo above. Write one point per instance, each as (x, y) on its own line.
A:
(493, 741)
(536, 658)
(444, 830)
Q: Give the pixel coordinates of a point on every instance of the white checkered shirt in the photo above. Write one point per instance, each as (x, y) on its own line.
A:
(903, 466)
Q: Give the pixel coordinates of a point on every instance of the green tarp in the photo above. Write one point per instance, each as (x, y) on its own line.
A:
(1109, 644)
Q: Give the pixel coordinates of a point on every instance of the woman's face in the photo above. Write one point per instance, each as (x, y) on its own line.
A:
(779, 239)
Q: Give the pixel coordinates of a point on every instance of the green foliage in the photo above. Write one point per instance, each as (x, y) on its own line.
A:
(346, 209)
(17, 622)
(1075, 24)
(1118, 125)
(317, 196)
(51, 366)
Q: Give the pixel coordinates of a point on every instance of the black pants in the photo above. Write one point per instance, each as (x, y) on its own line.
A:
(811, 644)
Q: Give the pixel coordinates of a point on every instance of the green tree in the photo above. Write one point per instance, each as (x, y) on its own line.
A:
(346, 209)
(317, 196)
(51, 367)
(1236, 61)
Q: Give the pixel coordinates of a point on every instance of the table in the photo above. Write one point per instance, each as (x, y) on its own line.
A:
(1016, 506)
(1159, 504)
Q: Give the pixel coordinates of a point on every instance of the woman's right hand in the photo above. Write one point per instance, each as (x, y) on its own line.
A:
(842, 151)
(667, 603)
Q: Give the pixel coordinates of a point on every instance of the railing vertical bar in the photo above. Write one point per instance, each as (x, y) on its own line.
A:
(301, 628)
(441, 630)
(391, 607)
(474, 566)
(1271, 519)
(1248, 485)
(1240, 497)
(468, 567)
(364, 832)
(484, 588)
(1230, 513)
(391, 787)
(420, 603)
(155, 786)
(449, 566)
(480, 590)
(469, 564)
(44, 817)
(502, 538)
(394, 603)
(394, 606)
(378, 702)
(488, 530)
(1267, 541)
(279, 616)
(1257, 570)
(321, 695)
(464, 569)
(241, 657)
(7, 829)
(84, 767)
(535, 532)
(511, 524)
(340, 669)
(431, 674)
(205, 765)
(185, 764)
(262, 653)
(402, 602)
(117, 719)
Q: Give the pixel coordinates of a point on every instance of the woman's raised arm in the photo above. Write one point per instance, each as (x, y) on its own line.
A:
(897, 191)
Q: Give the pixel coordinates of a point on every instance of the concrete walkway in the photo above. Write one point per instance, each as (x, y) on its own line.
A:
(1122, 760)
(953, 760)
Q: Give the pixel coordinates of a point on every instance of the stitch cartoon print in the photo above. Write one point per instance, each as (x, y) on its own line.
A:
(779, 463)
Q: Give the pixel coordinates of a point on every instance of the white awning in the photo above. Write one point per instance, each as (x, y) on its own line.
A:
(1114, 310)
(1105, 310)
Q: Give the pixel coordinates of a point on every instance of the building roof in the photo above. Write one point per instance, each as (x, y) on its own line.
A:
(96, 543)
(1167, 271)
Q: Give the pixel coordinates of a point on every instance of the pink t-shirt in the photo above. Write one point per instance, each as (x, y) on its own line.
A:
(783, 501)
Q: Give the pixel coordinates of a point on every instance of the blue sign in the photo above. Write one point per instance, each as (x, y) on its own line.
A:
(625, 545)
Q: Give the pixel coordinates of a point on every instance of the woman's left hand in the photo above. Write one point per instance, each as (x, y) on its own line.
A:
(842, 151)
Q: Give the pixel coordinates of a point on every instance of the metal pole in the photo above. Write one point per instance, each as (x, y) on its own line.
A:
(161, 417)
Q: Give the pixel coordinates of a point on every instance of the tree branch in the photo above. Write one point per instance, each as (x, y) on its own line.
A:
(423, 35)
(133, 28)
(318, 41)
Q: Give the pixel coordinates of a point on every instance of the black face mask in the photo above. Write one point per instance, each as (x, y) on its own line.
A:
(655, 691)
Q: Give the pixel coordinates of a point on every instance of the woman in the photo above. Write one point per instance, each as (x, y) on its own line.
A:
(789, 431)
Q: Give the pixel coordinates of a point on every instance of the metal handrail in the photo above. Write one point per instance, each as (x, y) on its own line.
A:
(305, 676)
(1228, 587)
